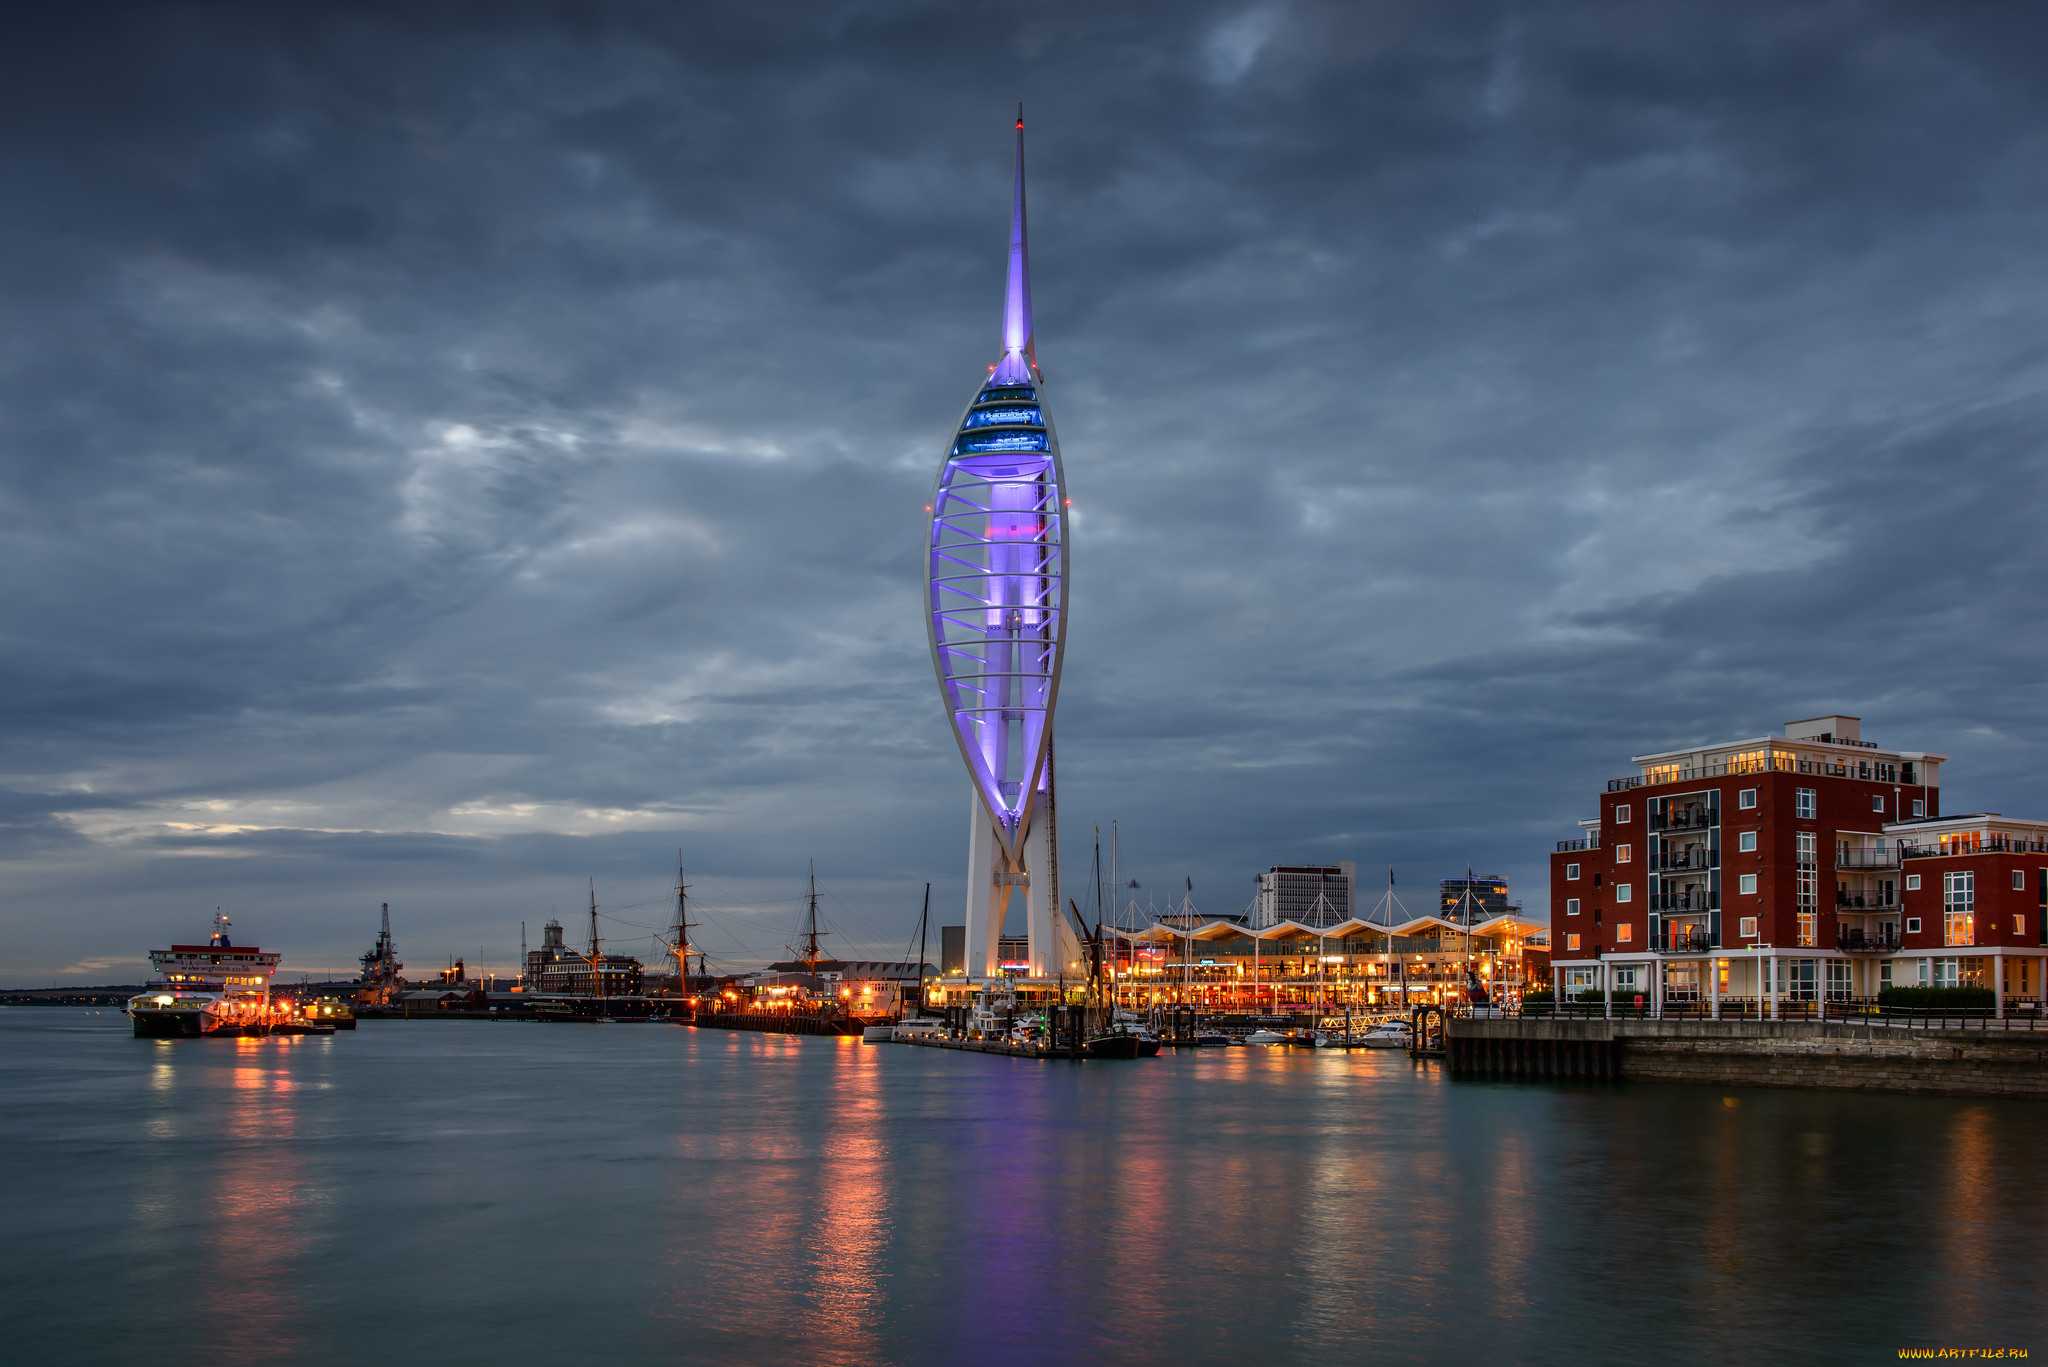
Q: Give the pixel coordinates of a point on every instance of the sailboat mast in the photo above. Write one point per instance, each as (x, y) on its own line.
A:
(923, 922)
(596, 973)
(682, 927)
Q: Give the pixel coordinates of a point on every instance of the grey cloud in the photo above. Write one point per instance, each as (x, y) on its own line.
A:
(450, 452)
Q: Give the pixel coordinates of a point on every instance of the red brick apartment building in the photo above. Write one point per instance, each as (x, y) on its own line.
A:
(1788, 870)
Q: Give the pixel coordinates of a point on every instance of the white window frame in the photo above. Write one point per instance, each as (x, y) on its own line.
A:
(1571, 873)
(1805, 804)
(1624, 892)
(1571, 906)
(1624, 854)
(1746, 799)
(1747, 928)
(1912, 882)
(1624, 934)
(1621, 814)
(1746, 842)
(1748, 885)
(1919, 806)
(1912, 925)
(1571, 944)
(1876, 802)
(2019, 880)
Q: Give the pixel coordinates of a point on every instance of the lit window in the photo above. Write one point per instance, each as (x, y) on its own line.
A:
(1571, 873)
(1748, 927)
(1622, 854)
(1746, 798)
(1912, 882)
(1571, 906)
(2019, 881)
(1746, 842)
(1876, 803)
(1912, 925)
(1624, 932)
(1749, 884)
(1805, 802)
(1571, 942)
(2019, 926)
(1959, 908)
(1624, 892)
(1621, 814)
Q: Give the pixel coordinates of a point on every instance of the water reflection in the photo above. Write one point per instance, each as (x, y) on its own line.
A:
(705, 1196)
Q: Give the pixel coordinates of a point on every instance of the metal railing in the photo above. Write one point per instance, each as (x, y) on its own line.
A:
(1868, 857)
(1865, 901)
(1861, 942)
(1682, 901)
(1700, 858)
(2021, 1013)
(1996, 844)
(1574, 846)
(1686, 819)
(1688, 942)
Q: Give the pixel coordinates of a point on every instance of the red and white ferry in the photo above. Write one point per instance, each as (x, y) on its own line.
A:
(218, 988)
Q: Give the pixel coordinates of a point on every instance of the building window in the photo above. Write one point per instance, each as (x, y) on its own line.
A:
(2019, 926)
(1578, 979)
(2019, 880)
(1806, 888)
(1627, 979)
(1919, 807)
(1946, 973)
(1876, 804)
(1912, 925)
(1884, 974)
(1746, 798)
(1838, 980)
(1805, 802)
(1596, 880)
(1623, 933)
(1923, 971)
(1959, 908)
(1621, 814)
(1571, 942)
(1624, 892)
(1746, 842)
(1748, 930)
(1571, 873)
(1912, 882)
(1571, 906)
(1622, 854)
(1748, 885)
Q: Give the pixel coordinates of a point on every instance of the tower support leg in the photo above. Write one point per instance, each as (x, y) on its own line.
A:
(987, 902)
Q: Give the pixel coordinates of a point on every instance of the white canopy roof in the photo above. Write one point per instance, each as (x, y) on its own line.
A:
(1159, 931)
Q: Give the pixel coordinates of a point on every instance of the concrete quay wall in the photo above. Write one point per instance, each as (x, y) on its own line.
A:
(1827, 1055)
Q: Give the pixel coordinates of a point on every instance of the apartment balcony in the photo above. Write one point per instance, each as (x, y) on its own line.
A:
(1866, 901)
(1684, 942)
(1574, 846)
(1685, 819)
(1992, 844)
(1682, 901)
(1701, 858)
(1866, 942)
(1886, 858)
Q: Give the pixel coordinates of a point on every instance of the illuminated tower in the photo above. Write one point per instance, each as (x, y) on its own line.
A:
(996, 609)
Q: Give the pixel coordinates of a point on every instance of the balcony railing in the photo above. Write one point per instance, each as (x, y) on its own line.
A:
(1865, 901)
(1694, 942)
(1867, 858)
(1992, 844)
(1682, 901)
(1686, 819)
(1865, 942)
(1573, 846)
(1687, 859)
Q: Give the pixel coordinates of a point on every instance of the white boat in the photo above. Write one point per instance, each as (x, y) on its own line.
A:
(1265, 1037)
(919, 1029)
(218, 988)
(1388, 1035)
(878, 1034)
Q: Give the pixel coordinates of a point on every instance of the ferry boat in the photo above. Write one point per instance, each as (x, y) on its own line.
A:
(218, 988)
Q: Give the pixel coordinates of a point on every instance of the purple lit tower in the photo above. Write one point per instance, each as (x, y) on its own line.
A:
(996, 607)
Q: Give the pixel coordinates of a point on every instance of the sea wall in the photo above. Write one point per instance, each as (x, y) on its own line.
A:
(1830, 1055)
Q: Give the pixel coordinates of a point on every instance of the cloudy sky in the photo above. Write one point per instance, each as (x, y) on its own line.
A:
(452, 453)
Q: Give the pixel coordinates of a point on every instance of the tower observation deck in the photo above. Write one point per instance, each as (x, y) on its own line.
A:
(996, 612)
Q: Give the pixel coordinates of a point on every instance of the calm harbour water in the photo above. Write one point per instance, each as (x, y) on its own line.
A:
(469, 1192)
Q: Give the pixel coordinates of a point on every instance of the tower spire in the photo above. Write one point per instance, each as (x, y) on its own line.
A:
(1019, 359)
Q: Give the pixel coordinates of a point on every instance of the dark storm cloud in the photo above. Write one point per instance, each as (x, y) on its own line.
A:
(454, 452)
